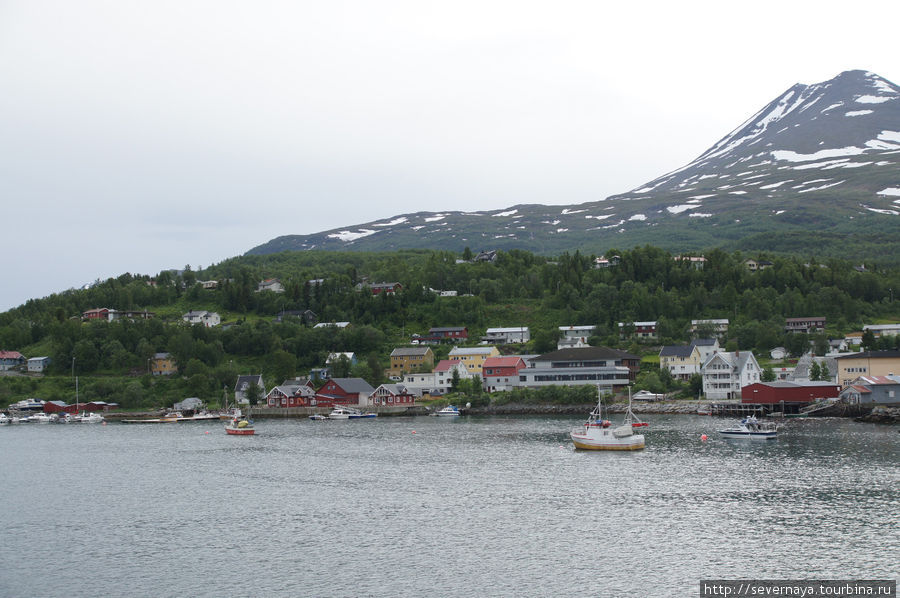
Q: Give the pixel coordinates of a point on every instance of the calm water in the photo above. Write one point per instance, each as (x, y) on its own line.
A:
(430, 507)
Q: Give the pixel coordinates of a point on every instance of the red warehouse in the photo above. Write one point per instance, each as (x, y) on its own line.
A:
(788, 392)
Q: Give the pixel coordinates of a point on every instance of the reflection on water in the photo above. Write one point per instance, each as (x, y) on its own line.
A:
(498, 506)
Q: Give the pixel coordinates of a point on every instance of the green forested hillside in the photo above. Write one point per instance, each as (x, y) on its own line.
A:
(518, 289)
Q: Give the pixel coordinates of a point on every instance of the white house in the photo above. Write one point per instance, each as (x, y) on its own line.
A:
(38, 364)
(440, 380)
(724, 374)
(571, 337)
(270, 284)
(506, 336)
(207, 318)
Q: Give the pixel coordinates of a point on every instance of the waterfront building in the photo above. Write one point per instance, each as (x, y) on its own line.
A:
(725, 373)
(393, 395)
(611, 369)
(788, 393)
(344, 391)
(877, 390)
(867, 363)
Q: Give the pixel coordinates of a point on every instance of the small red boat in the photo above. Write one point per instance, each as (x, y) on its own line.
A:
(239, 427)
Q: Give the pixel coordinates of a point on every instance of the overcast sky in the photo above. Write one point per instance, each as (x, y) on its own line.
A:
(140, 136)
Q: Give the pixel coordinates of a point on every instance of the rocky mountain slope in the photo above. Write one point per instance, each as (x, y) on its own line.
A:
(816, 171)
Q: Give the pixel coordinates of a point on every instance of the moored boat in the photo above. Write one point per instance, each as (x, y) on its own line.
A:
(239, 426)
(448, 411)
(91, 418)
(598, 434)
(751, 428)
(342, 412)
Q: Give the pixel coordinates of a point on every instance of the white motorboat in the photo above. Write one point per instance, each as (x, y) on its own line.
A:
(448, 411)
(41, 418)
(28, 405)
(752, 428)
(343, 412)
(4, 419)
(598, 434)
(91, 418)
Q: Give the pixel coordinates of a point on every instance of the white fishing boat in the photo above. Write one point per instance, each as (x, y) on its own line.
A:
(751, 428)
(598, 434)
(448, 411)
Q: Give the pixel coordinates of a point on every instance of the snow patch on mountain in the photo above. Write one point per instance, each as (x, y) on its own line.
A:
(699, 215)
(393, 222)
(859, 112)
(638, 218)
(507, 213)
(888, 212)
(567, 211)
(790, 156)
(820, 188)
(435, 218)
(890, 191)
(681, 208)
(346, 235)
(873, 99)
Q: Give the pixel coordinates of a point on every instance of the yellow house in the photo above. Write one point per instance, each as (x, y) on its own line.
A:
(868, 363)
(163, 364)
(416, 359)
(473, 358)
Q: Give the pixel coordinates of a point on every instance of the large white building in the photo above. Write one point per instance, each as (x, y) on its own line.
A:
(725, 374)
(611, 369)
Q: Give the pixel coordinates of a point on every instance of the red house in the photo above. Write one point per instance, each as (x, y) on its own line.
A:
(454, 333)
(386, 287)
(99, 313)
(393, 395)
(293, 393)
(344, 391)
(501, 373)
(788, 392)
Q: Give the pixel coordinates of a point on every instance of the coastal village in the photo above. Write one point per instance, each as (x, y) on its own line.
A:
(842, 375)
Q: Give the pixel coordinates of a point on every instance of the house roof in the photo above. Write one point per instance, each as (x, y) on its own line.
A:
(872, 355)
(582, 353)
(676, 351)
(410, 351)
(704, 342)
(447, 329)
(244, 381)
(444, 365)
(879, 380)
(395, 389)
(503, 362)
(353, 385)
(472, 350)
(11, 355)
(506, 330)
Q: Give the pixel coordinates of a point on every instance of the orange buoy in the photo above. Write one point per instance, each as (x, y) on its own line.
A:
(703, 437)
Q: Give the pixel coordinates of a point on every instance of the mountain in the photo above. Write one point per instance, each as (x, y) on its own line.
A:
(816, 171)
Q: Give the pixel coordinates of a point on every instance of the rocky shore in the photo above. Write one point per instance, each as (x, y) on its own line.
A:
(882, 415)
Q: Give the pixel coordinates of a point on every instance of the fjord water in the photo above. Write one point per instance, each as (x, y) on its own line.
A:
(477, 506)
